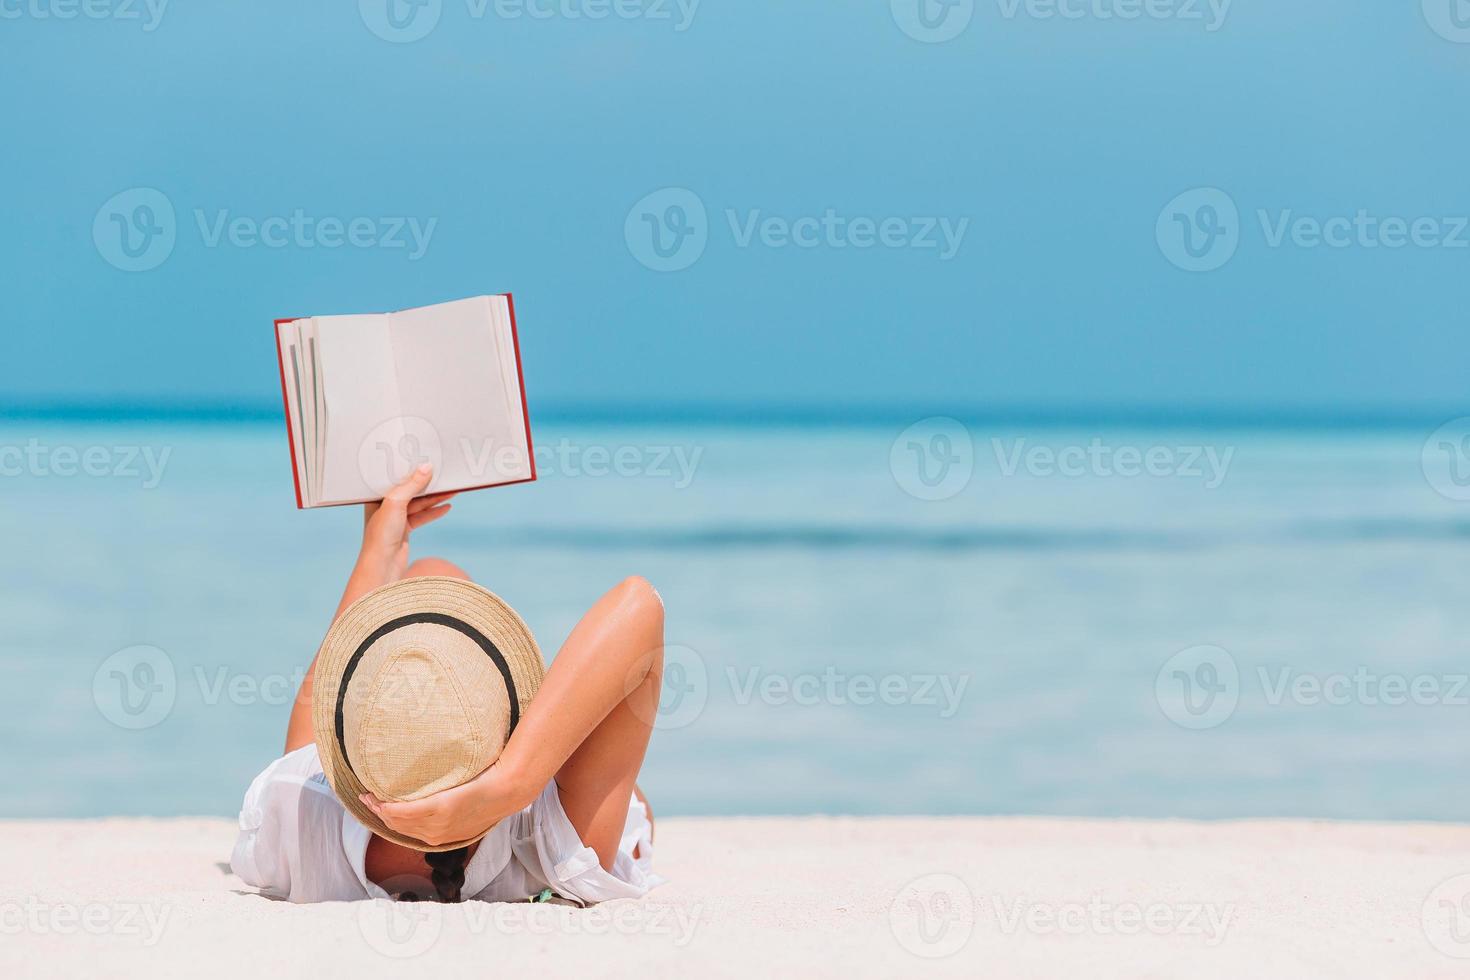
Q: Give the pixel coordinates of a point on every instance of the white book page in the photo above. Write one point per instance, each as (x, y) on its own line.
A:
(460, 393)
(364, 445)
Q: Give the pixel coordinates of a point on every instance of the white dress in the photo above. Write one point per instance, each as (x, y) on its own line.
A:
(299, 843)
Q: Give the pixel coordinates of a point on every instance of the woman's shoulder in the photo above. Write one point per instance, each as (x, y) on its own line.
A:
(297, 766)
(302, 763)
(301, 769)
(292, 839)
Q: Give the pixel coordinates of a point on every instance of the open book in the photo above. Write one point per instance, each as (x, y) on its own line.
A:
(370, 397)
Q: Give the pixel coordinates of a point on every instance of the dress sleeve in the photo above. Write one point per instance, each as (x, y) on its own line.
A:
(268, 845)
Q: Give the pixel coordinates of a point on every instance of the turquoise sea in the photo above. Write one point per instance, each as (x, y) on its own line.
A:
(1024, 645)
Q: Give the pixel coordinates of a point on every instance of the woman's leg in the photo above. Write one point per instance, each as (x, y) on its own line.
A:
(597, 780)
(587, 729)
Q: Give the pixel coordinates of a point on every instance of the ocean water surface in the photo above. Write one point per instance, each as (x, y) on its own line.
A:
(1268, 623)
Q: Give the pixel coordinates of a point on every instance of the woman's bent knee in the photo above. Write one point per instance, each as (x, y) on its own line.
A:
(640, 592)
(436, 566)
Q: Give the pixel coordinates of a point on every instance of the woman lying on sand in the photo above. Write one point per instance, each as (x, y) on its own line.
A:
(398, 779)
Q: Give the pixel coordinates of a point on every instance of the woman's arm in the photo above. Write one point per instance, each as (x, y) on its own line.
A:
(381, 560)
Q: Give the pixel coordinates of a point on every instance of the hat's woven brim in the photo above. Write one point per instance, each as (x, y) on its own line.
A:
(466, 601)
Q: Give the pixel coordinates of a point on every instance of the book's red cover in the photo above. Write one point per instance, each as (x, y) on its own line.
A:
(515, 339)
(286, 407)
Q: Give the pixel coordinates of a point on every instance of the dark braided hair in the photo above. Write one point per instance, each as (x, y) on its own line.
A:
(447, 872)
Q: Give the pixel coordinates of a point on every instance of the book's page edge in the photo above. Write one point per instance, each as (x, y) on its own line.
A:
(449, 489)
(299, 386)
(318, 408)
(497, 312)
(310, 422)
(515, 342)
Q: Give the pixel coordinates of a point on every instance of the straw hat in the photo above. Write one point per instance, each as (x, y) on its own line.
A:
(418, 686)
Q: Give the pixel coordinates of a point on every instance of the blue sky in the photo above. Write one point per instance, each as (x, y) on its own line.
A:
(1048, 146)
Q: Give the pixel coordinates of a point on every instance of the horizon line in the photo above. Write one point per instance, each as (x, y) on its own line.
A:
(759, 414)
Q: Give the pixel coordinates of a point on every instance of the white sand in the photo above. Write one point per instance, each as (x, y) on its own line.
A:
(784, 897)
